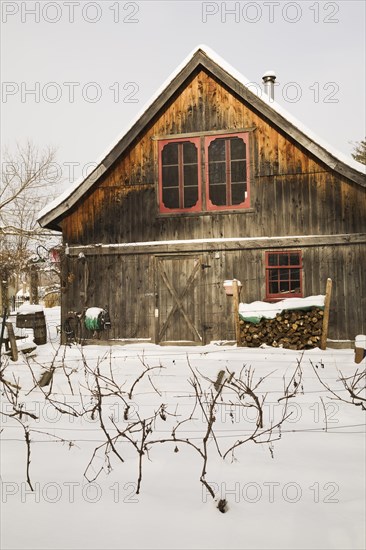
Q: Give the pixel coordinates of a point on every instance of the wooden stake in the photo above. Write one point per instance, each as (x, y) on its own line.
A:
(33, 285)
(46, 378)
(12, 341)
(2, 331)
(328, 292)
(236, 312)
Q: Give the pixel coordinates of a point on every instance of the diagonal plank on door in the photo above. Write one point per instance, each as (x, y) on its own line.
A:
(177, 298)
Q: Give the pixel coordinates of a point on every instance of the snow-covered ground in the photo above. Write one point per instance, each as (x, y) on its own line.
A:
(304, 490)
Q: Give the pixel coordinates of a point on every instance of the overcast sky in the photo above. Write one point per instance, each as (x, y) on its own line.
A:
(75, 73)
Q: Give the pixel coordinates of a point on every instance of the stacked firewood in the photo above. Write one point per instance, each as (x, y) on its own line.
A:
(289, 329)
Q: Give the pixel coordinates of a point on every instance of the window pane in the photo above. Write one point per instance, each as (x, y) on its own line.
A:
(284, 274)
(238, 171)
(216, 150)
(170, 176)
(295, 259)
(273, 288)
(284, 286)
(237, 147)
(238, 193)
(218, 195)
(170, 154)
(283, 259)
(273, 274)
(217, 173)
(272, 259)
(190, 196)
(189, 153)
(190, 174)
(171, 198)
(295, 280)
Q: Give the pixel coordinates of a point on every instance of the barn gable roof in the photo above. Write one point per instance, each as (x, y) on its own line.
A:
(208, 59)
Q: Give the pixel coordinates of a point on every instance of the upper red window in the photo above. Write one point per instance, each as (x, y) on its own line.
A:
(226, 173)
(179, 175)
(284, 274)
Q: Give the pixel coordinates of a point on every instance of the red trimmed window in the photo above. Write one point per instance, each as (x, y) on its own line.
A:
(180, 175)
(225, 157)
(227, 172)
(284, 274)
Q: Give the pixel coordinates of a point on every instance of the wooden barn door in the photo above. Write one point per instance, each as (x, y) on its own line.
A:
(179, 299)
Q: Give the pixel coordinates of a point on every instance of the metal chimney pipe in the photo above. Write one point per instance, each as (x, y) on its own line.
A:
(269, 79)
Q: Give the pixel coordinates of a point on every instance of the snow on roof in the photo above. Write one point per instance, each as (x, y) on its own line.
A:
(239, 77)
(21, 293)
(255, 311)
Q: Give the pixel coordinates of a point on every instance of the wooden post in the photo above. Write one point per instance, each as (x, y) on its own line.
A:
(236, 312)
(33, 284)
(328, 292)
(12, 341)
(4, 289)
(39, 328)
(2, 330)
(46, 378)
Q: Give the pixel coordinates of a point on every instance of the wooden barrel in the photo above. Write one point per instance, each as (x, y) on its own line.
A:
(25, 320)
(39, 328)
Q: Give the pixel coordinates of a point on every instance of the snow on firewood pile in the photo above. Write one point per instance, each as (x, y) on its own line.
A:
(255, 311)
(294, 323)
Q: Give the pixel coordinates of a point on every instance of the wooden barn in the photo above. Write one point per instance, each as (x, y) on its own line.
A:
(212, 182)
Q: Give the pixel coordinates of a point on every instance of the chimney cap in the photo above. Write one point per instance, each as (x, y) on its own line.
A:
(269, 75)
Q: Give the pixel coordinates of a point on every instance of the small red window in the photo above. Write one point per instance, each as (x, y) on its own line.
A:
(284, 274)
(180, 175)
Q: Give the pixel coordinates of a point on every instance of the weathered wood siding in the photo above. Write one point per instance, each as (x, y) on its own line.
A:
(291, 193)
(129, 285)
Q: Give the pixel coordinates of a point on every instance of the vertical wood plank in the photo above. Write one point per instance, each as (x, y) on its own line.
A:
(12, 341)
(236, 312)
(328, 292)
